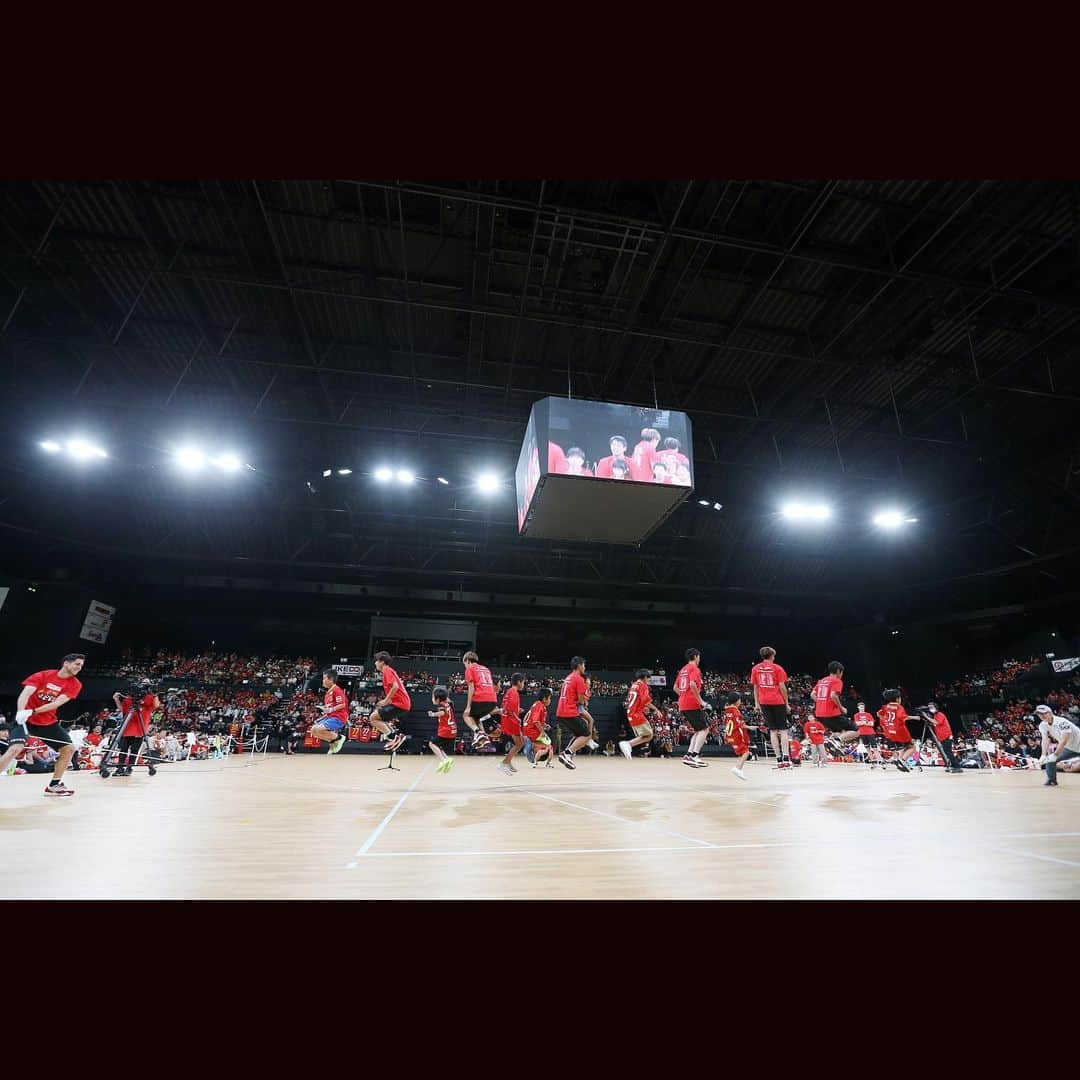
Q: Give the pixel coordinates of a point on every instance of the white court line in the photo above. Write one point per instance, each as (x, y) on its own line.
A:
(614, 817)
(389, 817)
(1044, 858)
(1029, 835)
(568, 851)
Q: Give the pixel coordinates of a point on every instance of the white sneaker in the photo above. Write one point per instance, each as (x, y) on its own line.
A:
(593, 744)
(626, 751)
(739, 773)
(504, 768)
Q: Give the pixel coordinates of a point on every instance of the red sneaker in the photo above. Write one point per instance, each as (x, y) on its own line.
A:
(58, 789)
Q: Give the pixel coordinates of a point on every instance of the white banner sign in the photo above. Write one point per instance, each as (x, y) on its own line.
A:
(98, 622)
(1066, 665)
(89, 633)
(349, 669)
(658, 680)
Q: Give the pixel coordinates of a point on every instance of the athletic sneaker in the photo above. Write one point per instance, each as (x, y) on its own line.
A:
(1050, 783)
(694, 762)
(396, 742)
(592, 744)
(337, 744)
(58, 789)
(901, 765)
(626, 750)
(505, 768)
(567, 759)
(480, 740)
(739, 773)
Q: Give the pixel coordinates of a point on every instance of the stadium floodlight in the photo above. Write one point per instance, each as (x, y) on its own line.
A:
(704, 502)
(892, 519)
(718, 506)
(190, 458)
(405, 476)
(487, 483)
(801, 511)
(384, 475)
(442, 479)
(82, 450)
(327, 472)
(344, 472)
(228, 462)
(50, 446)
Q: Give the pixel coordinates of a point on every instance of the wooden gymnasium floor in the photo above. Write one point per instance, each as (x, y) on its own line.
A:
(321, 827)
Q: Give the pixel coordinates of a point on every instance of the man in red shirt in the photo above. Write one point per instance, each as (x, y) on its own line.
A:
(442, 746)
(42, 694)
(511, 721)
(943, 734)
(618, 453)
(639, 708)
(575, 463)
(481, 700)
(893, 719)
(394, 705)
(815, 731)
(570, 712)
(672, 456)
(534, 729)
(333, 725)
(827, 707)
(693, 709)
(644, 455)
(735, 733)
(135, 727)
(864, 728)
(769, 682)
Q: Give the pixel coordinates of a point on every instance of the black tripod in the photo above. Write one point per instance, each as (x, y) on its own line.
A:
(390, 765)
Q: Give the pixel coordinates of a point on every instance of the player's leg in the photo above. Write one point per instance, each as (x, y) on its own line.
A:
(1054, 760)
(322, 733)
(785, 744)
(743, 750)
(59, 740)
(575, 732)
(698, 720)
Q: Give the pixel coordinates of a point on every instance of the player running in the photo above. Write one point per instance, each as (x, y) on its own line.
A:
(639, 708)
(42, 694)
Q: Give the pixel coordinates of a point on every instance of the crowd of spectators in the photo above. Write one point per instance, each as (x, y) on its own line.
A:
(209, 669)
(987, 682)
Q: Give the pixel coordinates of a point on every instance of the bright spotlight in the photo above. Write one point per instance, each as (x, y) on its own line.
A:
(405, 476)
(82, 450)
(704, 502)
(384, 475)
(327, 472)
(797, 511)
(344, 472)
(718, 506)
(891, 519)
(228, 462)
(442, 479)
(50, 446)
(190, 458)
(487, 483)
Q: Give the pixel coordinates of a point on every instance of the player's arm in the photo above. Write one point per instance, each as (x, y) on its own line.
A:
(834, 697)
(394, 687)
(52, 706)
(697, 694)
(756, 703)
(784, 694)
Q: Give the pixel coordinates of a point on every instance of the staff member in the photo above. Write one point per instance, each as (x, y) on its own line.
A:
(1067, 736)
(943, 734)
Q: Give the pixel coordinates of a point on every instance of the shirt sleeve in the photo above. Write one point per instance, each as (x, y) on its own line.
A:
(37, 680)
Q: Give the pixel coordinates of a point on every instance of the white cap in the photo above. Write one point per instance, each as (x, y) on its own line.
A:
(1043, 708)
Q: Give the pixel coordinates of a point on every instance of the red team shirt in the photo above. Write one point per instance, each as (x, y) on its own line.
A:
(536, 720)
(447, 723)
(636, 700)
(511, 712)
(400, 699)
(48, 686)
(942, 729)
(139, 721)
(795, 750)
(482, 683)
(688, 679)
(735, 733)
(816, 732)
(864, 723)
(643, 457)
(574, 693)
(337, 704)
(603, 466)
(824, 706)
(893, 717)
(767, 677)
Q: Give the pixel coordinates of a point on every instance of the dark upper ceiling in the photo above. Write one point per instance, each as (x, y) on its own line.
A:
(910, 340)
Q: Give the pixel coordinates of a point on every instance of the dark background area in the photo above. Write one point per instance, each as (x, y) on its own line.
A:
(903, 342)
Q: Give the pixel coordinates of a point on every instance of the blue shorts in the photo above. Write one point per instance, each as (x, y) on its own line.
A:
(332, 723)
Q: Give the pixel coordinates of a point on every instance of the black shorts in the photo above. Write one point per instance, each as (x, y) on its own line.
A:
(698, 719)
(776, 716)
(479, 709)
(836, 724)
(892, 744)
(574, 726)
(389, 713)
(52, 735)
(869, 740)
(444, 742)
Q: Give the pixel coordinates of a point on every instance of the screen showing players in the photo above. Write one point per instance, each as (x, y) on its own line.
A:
(619, 443)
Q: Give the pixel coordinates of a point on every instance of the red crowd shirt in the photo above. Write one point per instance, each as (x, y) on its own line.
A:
(603, 466)
(942, 729)
(643, 457)
(864, 722)
(511, 704)
(94, 739)
(482, 683)
(337, 705)
(400, 698)
(48, 686)
(816, 731)
(767, 677)
(636, 700)
(688, 680)
(138, 722)
(893, 717)
(574, 692)
(556, 458)
(795, 750)
(447, 722)
(535, 721)
(823, 703)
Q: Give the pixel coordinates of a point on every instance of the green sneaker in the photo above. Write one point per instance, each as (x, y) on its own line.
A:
(448, 765)
(337, 744)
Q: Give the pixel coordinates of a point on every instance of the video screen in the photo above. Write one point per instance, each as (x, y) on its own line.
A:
(619, 442)
(527, 473)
